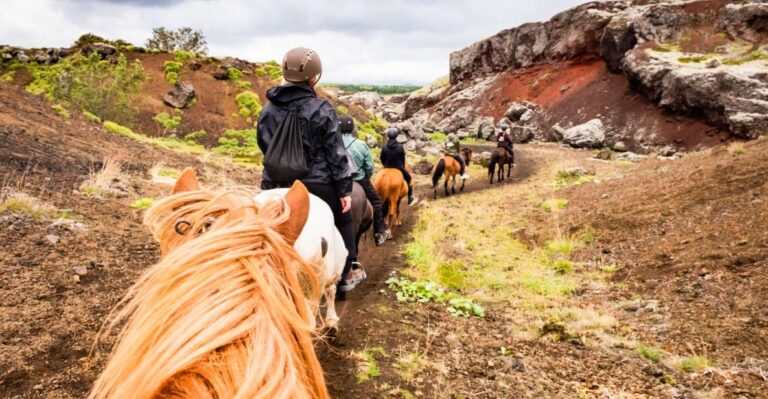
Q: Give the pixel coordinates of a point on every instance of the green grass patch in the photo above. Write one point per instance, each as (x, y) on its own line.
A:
(194, 137)
(9, 76)
(367, 365)
(142, 203)
(241, 145)
(438, 137)
(651, 353)
(168, 122)
(168, 172)
(91, 117)
(342, 110)
(694, 364)
(61, 111)
(756, 55)
(666, 48)
(169, 143)
(693, 59)
(572, 177)
(22, 204)
(554, 205)
(562, 246)
(563, 266)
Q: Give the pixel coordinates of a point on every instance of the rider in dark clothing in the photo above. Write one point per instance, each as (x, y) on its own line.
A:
(504, 140)
(393, 156)
(328, 177)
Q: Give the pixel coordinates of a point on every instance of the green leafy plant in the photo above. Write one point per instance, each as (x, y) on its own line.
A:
(234, 74)
(248, 104)
(270, 69)
(368, 366)
(120, 129)
(168, 122)
(563, 266)
(465, 307)
(172, 71)
(243, 84)
(142, 203)
(241, 145)
(61, 111)
(182, 56)
(427, 291)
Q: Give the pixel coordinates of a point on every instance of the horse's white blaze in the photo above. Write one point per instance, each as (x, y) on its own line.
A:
(319, 227)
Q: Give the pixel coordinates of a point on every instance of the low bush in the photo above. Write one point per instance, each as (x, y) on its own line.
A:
(248, 104)
(168, 122)
(61, 111)
(270, 69)
(234, 74)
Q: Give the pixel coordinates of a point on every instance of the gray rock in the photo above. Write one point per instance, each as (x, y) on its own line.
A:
(52, 239)
(483, 158)
(22, 57)
(630, 156)
(180, 95)
(402, 138)
(80, 270)
(102, 49)
(486, 129)
(620, 146)
(410, 145)
(586, 135)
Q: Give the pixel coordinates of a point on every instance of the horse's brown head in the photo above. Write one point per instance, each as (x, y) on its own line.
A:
(190, 211)
(466, 153)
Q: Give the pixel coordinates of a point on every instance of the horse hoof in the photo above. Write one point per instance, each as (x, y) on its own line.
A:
(329, 333)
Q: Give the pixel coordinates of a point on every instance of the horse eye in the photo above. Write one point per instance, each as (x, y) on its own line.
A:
(182, 226)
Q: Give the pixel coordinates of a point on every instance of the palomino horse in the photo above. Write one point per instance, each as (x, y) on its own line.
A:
(229, 311)
(391, 187)
(501, 157)
(449, 166)
(362, 213)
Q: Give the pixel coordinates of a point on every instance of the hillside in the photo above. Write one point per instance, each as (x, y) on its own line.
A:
(661, 76)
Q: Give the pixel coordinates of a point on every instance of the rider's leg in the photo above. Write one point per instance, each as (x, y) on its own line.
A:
(407, 176)
(379, 225)
(342, 220)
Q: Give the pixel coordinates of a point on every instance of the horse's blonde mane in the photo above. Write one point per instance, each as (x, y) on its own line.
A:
(223, 314)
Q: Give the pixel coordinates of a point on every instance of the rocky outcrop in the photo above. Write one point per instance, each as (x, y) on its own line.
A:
(180, 95)
(102, 49)
(732, 96)
(368, 100)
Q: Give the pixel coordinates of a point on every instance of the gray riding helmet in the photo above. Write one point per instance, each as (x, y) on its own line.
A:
(392, 132)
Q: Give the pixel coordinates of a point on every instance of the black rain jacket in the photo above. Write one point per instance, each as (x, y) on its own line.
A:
(323, 146)
(393, 155)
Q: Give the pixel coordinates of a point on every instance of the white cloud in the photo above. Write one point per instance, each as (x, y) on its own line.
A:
(371, 41)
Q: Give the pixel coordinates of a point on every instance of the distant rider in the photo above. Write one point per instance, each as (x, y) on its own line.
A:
(328, 177)
(361, 155)
(504, 140)
(453, 148)
(393, 156)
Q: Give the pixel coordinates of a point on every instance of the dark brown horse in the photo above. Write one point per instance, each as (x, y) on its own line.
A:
(500, 157)
(362, 212)
(449, 166)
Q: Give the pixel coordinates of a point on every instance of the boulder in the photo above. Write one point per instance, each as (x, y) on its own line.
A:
(410, 145)
(423, 167)
(486, 128)
(102, 49)
(589, 135)
(402, 138)
(221, 74)
(180, 95)
(462, 118)
(516, 111)
(483, 158)
(521, 134)
(604, 154)
(619, 37)
(630, 156)
(368, 100)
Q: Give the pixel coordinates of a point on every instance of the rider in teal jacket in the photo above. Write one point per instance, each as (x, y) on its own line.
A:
(363, 160)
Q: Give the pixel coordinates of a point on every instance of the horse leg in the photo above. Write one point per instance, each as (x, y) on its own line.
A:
(397, 212)
(445, 186)
(331, 318)
(453, 185)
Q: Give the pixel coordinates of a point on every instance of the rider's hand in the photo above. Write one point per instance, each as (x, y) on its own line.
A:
(346, 204)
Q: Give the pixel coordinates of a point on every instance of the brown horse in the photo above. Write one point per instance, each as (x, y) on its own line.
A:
(449, 166)
(501, 157)
(391, 187)
(362, 212)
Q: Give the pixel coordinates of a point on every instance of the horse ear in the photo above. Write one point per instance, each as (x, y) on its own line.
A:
(187, 181)
(297, 199)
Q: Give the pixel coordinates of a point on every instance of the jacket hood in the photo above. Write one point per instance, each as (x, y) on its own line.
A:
(392, 143)
(286, 94)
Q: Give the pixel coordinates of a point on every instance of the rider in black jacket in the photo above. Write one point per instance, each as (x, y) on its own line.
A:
(393, 156)
(329, 176)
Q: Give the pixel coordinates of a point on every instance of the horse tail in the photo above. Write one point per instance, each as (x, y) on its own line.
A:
(225, 313)
(439, 170)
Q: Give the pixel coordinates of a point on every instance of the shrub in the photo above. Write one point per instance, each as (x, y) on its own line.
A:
(694, 363)
(183, 39)
(88, 83)
(172, 70)
(248, 104)
(22, 204)
(182, 56)
(234, 74)
(270, 69)
(342, 110)
(194, 136)
(166, 121)
(8, 77)
(61, 111)
(243, 84)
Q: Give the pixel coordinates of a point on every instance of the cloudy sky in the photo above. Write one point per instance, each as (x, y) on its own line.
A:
(360, 41)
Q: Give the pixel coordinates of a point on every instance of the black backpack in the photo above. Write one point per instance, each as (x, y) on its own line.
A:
(285, 160)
